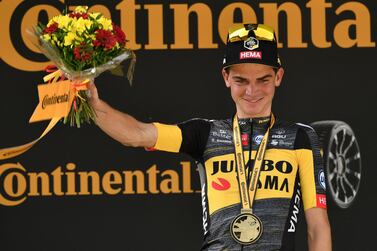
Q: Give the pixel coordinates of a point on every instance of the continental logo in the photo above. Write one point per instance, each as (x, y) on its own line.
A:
(17, 184)
(55, 99)
(170, 26)
(254, 177)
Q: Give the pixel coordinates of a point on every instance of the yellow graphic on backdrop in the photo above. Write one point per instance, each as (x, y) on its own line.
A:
(353, 31)
(17, 184)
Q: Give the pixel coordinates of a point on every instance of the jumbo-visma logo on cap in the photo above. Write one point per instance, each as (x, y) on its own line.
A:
(251, 43)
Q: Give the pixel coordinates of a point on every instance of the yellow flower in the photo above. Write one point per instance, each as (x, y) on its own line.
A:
(62, 21)
(50, 22)
(54, 38)
(106, 23)
(68, 39)
(81, 9)
(46, 37)
(82, 24)
(94, 15)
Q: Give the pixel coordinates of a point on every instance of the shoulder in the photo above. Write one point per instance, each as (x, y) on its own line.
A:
(206, 124)
(292, 125)
(195, 124)
(303, 135)
(306, 137)
(195, 134)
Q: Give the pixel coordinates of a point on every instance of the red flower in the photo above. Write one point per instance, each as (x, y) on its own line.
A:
(82, 53)
(51, 29)
(105, 39)
(78, 15)
(120, 36)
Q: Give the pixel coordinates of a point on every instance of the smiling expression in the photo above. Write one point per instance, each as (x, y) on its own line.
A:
(252, 88)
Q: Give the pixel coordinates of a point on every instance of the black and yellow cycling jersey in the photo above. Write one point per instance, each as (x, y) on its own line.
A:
(292, 171)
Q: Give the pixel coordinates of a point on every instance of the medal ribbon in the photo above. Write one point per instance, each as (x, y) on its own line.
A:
(248, 194)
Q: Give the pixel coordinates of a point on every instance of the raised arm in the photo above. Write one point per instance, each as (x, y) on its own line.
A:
(121, 126)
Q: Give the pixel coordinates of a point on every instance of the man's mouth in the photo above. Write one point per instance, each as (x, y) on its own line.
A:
(253, 100)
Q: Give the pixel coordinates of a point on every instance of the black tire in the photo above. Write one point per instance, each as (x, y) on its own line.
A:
(342, 161)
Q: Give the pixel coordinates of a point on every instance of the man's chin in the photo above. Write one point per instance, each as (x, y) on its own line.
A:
(254, 111)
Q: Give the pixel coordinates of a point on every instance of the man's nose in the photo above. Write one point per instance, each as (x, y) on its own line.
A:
(250, 88)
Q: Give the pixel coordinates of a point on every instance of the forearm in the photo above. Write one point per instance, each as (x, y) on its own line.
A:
(123, 127)
(320, 241)
(319, 236)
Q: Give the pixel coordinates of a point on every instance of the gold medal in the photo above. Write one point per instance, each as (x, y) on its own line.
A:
(246, 228)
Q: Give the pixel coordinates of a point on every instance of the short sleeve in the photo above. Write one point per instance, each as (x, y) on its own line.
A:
(311, 171)
(187, 137)
(169, 138)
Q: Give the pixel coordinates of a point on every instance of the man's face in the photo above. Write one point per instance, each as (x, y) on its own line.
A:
(252, 88)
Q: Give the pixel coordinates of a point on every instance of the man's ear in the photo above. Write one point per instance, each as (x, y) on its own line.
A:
(226, 77)
(279, 76)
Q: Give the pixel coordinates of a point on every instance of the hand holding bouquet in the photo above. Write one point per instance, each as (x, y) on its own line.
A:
(82, 45)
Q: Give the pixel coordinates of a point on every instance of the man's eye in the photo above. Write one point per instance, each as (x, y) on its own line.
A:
(240, 82)
(264, 81)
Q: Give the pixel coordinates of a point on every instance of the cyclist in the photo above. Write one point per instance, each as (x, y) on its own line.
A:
(255, 169)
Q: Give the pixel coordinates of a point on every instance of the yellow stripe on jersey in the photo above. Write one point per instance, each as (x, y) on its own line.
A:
(169, 138)
(307, 179)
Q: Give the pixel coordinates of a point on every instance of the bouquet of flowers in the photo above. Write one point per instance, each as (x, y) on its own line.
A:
(82, 45)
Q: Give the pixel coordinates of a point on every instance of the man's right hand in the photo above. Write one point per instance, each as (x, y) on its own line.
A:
(92, 93)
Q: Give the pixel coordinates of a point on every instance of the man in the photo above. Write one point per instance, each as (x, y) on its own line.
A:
(254, 168)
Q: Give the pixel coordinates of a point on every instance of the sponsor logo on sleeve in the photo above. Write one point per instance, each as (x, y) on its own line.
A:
(321, 179)
(321, 201)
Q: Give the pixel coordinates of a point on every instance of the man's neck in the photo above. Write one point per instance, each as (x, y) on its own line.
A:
(254, 116)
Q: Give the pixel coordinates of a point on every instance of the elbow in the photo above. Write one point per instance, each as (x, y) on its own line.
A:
(130, 144)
